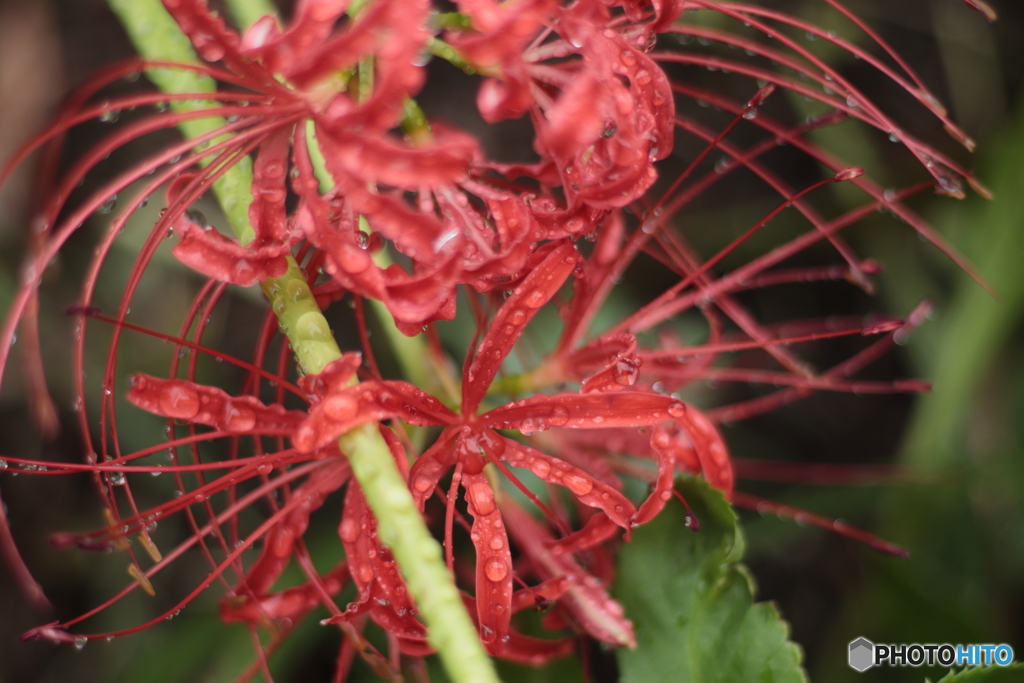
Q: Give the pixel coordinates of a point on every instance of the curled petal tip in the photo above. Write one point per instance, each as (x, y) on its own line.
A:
(979, 188)
(849, 174)
(984, 8)
(761, 95)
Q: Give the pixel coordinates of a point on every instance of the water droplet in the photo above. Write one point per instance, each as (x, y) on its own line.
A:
(198, 217)
(495, 570)
(559, 416)
(534, 299)
(108, 206)
(340, 407)
(349, 530)
(541, 468)
(365, 573)
(580, 484)
(179, 400)
(482, 498)
(238, 418)
(110, 116)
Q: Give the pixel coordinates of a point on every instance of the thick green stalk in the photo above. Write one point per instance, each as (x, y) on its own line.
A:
(400, 525)
(157, 37)
(245, 13)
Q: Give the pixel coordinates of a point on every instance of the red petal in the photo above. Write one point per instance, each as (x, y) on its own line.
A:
(413, 300)
(586, 411)
(431, 466)
(598, 529)
(493, 562)
(621, 368)
(269, 190)
(311, 24)
(292, 603)
(393, 29)
(535, 290)
(580, 484)
(335, 376)
(715, 463)
(212, 39)
(545, 591)
(214, 255)
(209, 252)
(389, 162)
(535, 651)
(374, 571)
(344, 409)
(200, 404)
(586, 601)
(661, 444)
(279, 542)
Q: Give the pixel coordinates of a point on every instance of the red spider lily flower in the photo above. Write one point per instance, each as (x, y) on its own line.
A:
(604, 111)
(596, 135)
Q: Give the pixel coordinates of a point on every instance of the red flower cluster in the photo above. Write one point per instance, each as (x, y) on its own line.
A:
(592, 79)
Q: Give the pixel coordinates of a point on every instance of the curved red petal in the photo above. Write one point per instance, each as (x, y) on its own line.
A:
(206, 405)
(586, 601)
(493, 562)
(533, 292)
(584, 487)
(343, 409)
(214, 255)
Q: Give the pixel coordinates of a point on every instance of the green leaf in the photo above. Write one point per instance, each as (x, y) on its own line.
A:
(1013, 673)
(692, 602)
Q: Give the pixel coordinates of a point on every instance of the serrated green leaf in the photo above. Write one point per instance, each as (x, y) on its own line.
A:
(1013, 673)
(692, 603)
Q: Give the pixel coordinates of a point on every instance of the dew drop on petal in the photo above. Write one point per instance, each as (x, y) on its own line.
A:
(495, 570)
(559, 416)
(349, 530)
(238, 418)
(423, 484)
(677, 410)
(497, 543)
(179, 400)
(482, 499)
(340, 407)
(541, 468)
(108, 206)
(365, 573)
(579, 484)
(534, 299)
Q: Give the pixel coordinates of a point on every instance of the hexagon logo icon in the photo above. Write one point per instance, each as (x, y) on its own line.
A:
(862, 654)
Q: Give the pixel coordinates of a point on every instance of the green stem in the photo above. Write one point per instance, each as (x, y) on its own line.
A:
(157, 37)
(245, 13)
(400, 525)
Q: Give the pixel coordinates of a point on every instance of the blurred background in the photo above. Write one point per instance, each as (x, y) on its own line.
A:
(958, 507)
